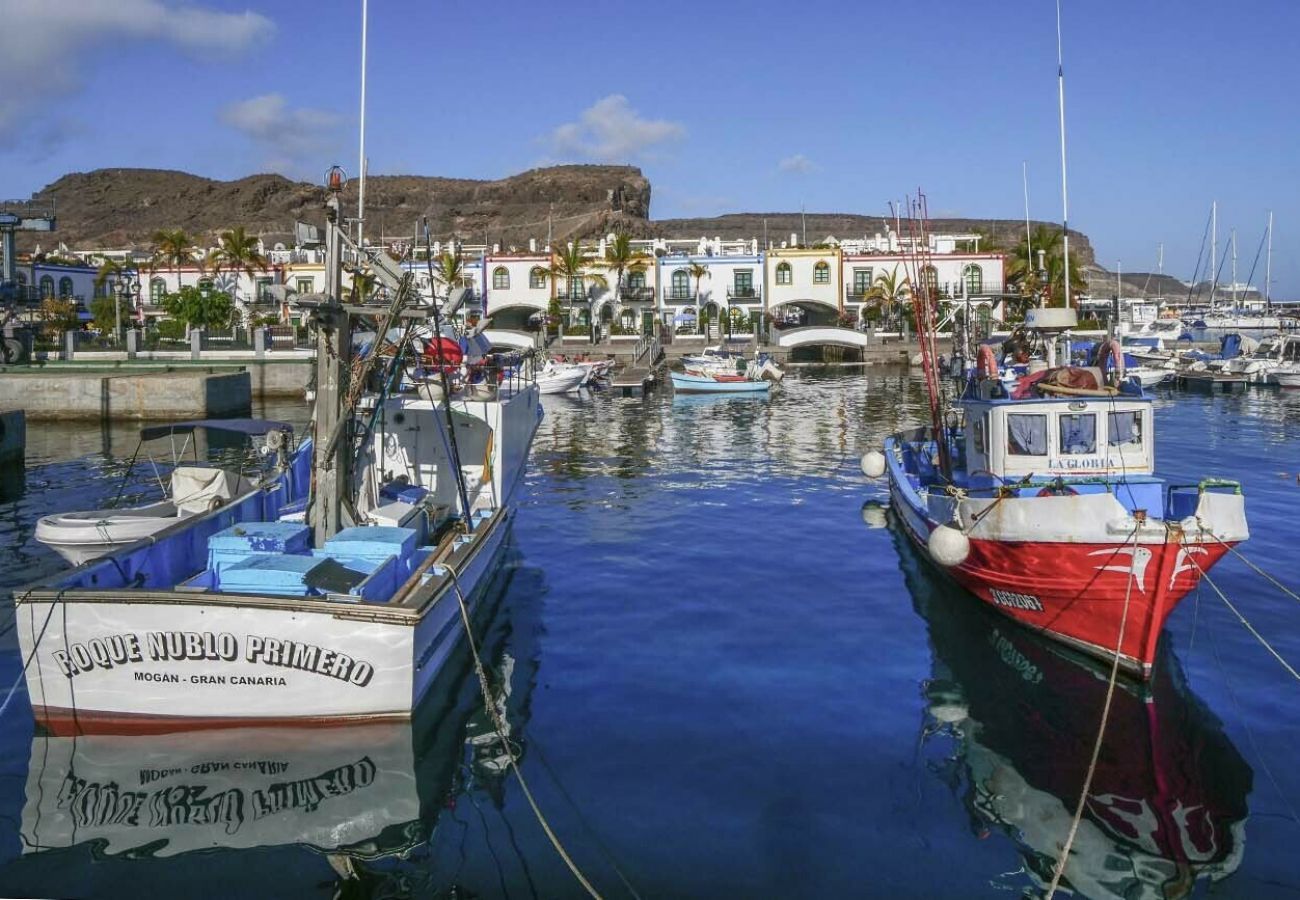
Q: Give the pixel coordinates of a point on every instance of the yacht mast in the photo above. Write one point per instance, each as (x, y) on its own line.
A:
(1214, 249)
(1065, 197)
(1233, 235)
(1268, 264)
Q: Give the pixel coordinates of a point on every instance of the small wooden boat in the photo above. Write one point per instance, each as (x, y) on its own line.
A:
(696, 382)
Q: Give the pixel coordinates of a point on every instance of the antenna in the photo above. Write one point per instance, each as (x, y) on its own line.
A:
(1029, 241)
(1065, 197)
(1214, 249)
(361, 189)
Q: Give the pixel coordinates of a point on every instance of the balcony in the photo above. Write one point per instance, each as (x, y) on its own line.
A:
(637, 294)
(744, 294)
(676, 296)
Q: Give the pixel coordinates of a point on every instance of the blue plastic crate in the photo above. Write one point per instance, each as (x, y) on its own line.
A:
(249, 539)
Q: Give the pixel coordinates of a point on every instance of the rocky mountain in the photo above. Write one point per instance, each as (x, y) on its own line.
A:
(123, 207)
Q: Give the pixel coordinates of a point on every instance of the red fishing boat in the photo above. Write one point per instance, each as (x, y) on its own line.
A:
(1042, 501)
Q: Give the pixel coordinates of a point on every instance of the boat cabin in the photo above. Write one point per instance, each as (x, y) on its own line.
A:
(1097, 437)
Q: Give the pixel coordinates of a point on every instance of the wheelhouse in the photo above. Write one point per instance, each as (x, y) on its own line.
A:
(1015, 440)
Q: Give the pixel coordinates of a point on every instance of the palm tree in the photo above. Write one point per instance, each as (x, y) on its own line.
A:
(569, 267)
(109, 270)
(239, 253)
(621, 257)
(172, 248)
(1023, 270)
(449, 271)
(888, 292)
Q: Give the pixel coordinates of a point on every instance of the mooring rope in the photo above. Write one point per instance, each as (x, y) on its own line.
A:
(1101, 732)
(500, 728)
(1241, 556)
(1244, 621)
(36, 645)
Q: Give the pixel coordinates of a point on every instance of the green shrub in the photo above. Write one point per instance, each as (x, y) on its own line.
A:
(171, 330)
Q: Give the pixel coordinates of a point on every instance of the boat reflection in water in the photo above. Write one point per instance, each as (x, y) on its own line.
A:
(1013, 718)
(364, 796)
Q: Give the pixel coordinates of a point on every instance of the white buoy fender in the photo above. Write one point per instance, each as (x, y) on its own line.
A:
(873, 464)
(875, 514)
(948, 546)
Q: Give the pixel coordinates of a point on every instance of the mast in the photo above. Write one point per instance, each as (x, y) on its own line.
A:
(1214, 250)
(330, 461)
(1029, 241)
(1268, 264)
(1065, 197)
(361, 165)
(1233, 234)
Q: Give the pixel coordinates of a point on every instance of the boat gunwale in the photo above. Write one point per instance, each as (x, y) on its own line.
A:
(409, 611)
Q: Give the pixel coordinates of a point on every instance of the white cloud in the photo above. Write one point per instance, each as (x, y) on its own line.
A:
(610, 130)
(796, 165)
(42, 42)
(291, 136)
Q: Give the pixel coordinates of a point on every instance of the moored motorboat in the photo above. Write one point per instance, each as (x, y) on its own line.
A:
(699, 382)
(86, 534)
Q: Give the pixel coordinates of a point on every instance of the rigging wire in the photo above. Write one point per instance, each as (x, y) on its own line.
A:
(1244, 621)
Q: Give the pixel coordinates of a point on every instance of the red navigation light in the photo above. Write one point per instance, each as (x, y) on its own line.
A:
(335, 178)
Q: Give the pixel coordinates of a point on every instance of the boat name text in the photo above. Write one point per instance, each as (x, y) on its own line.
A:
(116, 650)
(1016, 601)
(94, 804)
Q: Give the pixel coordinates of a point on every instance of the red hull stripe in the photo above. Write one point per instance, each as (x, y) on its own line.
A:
(64, 722)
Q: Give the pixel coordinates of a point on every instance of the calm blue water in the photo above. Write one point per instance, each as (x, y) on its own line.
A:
(721, 681)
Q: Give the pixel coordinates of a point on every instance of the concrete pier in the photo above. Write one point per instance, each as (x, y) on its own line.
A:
(168, 394)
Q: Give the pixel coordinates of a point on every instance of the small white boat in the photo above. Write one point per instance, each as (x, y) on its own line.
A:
(555, 379)
(1288, 377)
(87, 534)
(697, 382)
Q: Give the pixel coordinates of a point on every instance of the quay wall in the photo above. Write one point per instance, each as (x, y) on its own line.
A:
(168, 394)
(279, 376)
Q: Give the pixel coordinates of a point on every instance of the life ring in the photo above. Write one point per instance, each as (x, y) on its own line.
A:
(1112, 350)
(986, 364)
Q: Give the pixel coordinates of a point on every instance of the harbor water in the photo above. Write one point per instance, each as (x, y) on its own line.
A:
(723, 674)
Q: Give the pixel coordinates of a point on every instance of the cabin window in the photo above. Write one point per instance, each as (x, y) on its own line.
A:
(1078, 433)
(1292, 352)
(500, 279)
(979, 433)
(1027, 434)
(1124, 429)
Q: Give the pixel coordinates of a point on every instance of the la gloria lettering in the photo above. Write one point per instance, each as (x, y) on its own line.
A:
(117, 650)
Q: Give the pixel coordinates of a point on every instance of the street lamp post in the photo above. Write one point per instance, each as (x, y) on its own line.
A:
(125, 289)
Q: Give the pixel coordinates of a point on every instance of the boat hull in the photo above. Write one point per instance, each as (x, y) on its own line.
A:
(1076, 591)
(156, 663)
(695, 384)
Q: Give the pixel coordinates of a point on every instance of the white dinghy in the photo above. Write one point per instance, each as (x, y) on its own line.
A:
(87, 534)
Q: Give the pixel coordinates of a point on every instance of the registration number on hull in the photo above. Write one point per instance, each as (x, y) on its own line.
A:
(1013, 600)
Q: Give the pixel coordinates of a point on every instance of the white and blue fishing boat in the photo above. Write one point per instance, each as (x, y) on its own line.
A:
(282, 609)
(701, 382)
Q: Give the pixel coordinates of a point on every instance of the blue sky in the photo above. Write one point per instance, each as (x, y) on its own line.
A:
(728, 107)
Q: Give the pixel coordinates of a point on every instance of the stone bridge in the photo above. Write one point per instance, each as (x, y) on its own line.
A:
(821, 335)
